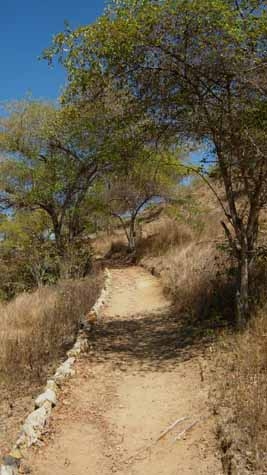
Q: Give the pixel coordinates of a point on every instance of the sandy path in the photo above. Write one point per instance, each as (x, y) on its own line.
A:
(138, 378)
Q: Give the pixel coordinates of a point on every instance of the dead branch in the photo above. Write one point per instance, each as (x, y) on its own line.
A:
(172, 426)
(181, 434)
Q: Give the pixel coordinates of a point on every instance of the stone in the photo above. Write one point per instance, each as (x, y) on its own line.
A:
(9, 460)
(13, 458)
(65, 370)
(49, 396)
(73, 353)
(52, 385)
(86, 327)
(8, 470)
(81, 345)
(25, 469)
(21, 441)
(77, 345)
(84, 345)
(91, 317)
(35, 423)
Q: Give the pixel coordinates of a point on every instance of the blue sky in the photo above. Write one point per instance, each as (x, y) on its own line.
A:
(26, 28)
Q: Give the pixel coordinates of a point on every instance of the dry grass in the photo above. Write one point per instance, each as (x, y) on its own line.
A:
(189, 270)
(37, 328)
(160, 236)
(195, 274)
(195, 277)
(193, 271)
(36, 331)
(242, 396)
(104, 242)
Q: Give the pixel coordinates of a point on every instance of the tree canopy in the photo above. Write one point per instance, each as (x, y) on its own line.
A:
(147, 78)
(198, 69)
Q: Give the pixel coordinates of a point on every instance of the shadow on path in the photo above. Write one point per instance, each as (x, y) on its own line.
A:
(156, 341)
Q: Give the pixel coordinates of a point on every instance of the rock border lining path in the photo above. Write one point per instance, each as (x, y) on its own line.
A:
(36, 421)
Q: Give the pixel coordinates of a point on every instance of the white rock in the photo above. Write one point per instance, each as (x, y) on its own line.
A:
(35, 423)
(47, 396)
(69, 362)
(52, 385)
(21, 442)
(81, 345)
(8, 470)
(74, 353)
(65, 370)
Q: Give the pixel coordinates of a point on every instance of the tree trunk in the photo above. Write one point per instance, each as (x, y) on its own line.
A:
(58, 238)
(132, 235)
(242, 294)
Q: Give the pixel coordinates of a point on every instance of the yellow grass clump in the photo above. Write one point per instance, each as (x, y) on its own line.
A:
(37, 328)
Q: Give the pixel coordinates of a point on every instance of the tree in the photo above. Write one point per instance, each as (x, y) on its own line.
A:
(49, 163)
(126, 195)
(27, 255)
(198, 68)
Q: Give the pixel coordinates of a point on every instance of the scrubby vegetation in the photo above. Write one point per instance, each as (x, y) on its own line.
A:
(186, 251)
(37, 328)
(148, 83)
(241, 398)
(36, 331)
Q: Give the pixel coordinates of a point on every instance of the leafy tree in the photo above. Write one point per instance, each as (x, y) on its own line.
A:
(27, 255)
(199, 70)
(127, 194)
(49, 163)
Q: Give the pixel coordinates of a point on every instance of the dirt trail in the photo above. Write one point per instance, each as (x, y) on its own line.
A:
(138, 378)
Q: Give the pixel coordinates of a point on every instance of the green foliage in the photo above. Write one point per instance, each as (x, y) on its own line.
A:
(49, 162)
(27, 254)
(197, 69)
(143, 80)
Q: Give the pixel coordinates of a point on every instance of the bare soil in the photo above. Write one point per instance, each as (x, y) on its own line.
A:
(143, 372)
(15, 405)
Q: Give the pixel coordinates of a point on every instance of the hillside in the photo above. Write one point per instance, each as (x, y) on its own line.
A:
(188, 253)
(187, 340)
(133, 250)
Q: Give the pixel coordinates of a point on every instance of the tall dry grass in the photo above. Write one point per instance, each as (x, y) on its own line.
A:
(160, 236)
(37, 328)
(193, 271)
(242, 396)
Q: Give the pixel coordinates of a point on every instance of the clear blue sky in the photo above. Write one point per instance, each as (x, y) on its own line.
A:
(26, 28)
